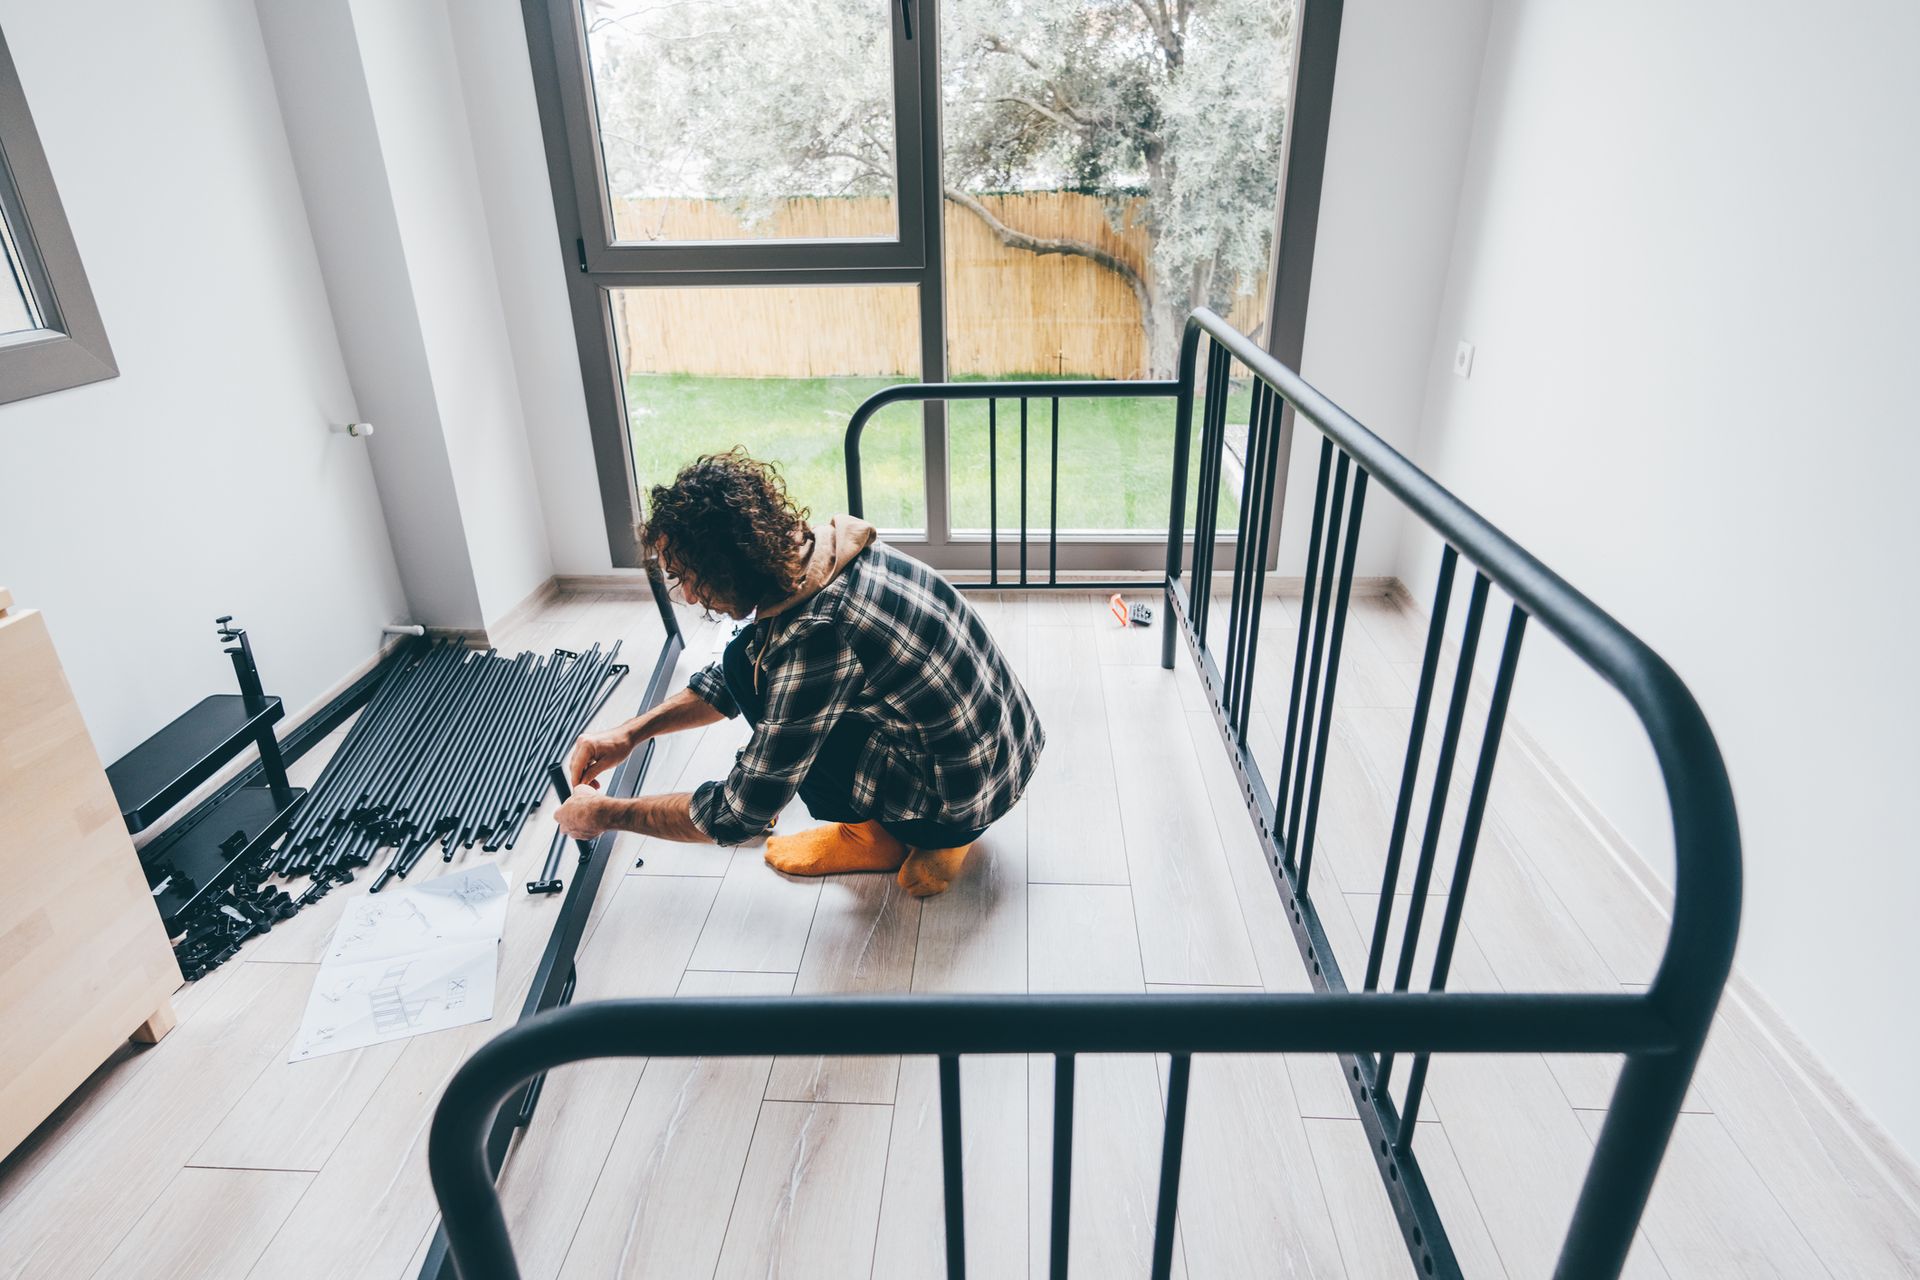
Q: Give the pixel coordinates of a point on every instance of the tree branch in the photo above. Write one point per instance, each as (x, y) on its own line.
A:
(1043, 246)
(1066, 118)
(1163, 32)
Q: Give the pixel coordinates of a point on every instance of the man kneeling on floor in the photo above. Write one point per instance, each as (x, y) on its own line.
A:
(874, 692)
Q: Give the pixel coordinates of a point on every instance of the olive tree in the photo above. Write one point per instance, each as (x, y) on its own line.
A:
(1172, 112)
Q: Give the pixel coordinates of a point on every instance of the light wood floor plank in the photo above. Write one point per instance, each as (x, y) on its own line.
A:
(703, 755)
(973, 937)
(210, 1224)
(1520, 1145)
(1119, 1114)
(809, 1200)
(663, 1194)
(864, 934)
(1397, 630)
(1624, 927)
(1841, 1202)
(1189, 919)
(1083, 939)
(1317, 1083)
(640, 949)
(760, 920)
(1370, 1239)
(1710, 1215)
(1245, 1209)
(294, 1114)
(1073, 811)
(71, 1215)
(993, 1137)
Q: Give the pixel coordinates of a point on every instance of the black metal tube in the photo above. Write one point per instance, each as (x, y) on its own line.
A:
(489, 801)
(1053, 498)
(423, 779)
(1207, 510)
(1342, 596)
(470, 802)
(1469, 841)
(993, 491)
(1058, 1240)
(1270, 467)
(1172, 1141)
(1237, 597)
(1437, 805)
(953, 1176)
(1310, 694)
(1177, 499)
(376, 721)
(1023, 491)
(1410, 771)
(385, 756)
(1300, 644)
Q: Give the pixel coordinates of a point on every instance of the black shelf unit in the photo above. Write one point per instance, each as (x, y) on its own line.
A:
(199, 856)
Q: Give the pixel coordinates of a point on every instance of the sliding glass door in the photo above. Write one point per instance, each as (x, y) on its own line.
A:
(776, 208)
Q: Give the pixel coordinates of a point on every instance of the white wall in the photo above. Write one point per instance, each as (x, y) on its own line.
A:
(1403, 101)
(335, 143)
(203, 480)
(419, 106)
(490, 41)
(1686, 249)
(376, 116)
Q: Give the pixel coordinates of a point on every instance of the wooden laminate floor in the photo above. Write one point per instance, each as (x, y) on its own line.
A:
(1129, 866)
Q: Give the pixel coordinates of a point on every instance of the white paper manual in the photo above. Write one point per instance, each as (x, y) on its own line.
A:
(403, 963)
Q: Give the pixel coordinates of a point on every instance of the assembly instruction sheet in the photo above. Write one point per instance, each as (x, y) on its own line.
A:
(403, 963)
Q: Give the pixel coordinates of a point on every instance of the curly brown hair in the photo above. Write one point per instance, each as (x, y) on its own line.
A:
(728, 525)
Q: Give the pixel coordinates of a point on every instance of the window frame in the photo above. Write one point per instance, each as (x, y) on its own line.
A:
(595, 266)
(603, 254)
(70, 347)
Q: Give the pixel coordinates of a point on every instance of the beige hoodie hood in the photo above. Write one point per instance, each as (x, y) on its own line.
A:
(835, 544)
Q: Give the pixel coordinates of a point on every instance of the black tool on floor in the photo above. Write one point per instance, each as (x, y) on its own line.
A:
(1138, 615)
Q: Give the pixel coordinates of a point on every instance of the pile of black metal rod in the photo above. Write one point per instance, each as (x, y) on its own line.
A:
(453, 749)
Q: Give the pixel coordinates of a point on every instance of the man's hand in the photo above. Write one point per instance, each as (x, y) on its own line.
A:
(583, 816)
(595, 753)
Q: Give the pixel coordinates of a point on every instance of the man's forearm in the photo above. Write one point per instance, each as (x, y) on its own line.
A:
(667, 817)
(684, 710)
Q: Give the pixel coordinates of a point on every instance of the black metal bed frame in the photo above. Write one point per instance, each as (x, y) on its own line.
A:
(1659, 1031)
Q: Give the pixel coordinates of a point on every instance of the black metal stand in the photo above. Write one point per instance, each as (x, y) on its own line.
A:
(197, 859)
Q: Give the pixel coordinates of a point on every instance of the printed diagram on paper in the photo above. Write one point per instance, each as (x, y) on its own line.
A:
(403, 963)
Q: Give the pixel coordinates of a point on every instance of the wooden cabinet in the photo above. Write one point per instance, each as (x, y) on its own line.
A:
(84, 963)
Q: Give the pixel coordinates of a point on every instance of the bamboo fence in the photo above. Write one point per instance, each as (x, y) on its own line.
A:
(1009, 311)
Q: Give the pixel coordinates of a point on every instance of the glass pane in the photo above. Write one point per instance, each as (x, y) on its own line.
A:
(778, 371)
(17, 312)
(1106, 174)
(745, 119)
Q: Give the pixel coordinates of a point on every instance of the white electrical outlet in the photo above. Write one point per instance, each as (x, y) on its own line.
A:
(1463, 359)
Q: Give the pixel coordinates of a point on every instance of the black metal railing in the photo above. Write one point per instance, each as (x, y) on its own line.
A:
(1024, 395)
(1659, 1031)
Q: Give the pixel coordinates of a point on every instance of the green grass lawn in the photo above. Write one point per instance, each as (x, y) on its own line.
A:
(1115, 455)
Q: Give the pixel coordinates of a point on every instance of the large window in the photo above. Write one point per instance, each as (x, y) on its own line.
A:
(51, 337)
(780, 206)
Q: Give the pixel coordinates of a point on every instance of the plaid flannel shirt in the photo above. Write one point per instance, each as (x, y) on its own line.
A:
(891, 643)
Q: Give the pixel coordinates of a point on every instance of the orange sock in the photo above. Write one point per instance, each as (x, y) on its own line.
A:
(930, 871)
(836, 847)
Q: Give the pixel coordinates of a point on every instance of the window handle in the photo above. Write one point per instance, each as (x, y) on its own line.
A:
(906, 18)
